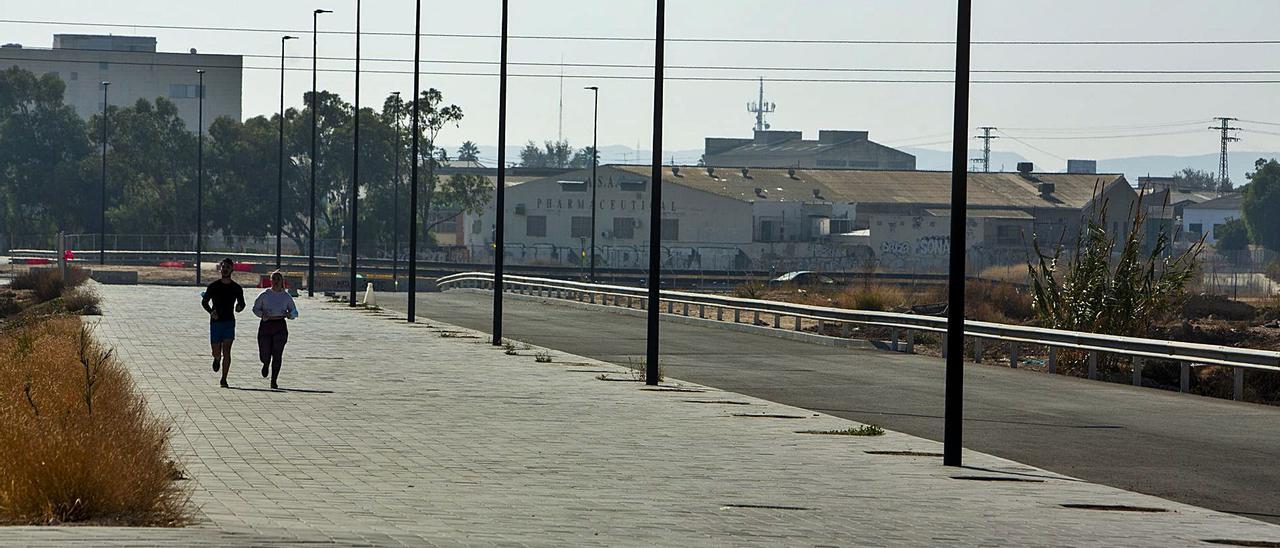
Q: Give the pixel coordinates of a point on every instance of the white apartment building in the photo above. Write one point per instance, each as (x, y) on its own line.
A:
(136, 71)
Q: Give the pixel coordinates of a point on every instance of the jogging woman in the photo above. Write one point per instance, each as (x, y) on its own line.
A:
(275, 307)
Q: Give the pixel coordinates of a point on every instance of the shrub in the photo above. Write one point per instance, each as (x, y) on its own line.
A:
(47, 283)
(874, 297)
(82, 300)
(749, 290)
(78, 443)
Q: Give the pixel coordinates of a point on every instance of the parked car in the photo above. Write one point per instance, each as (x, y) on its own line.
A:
(802, 277)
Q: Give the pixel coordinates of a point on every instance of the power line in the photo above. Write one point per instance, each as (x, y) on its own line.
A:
(674, 40)
(686, 78)
(1031, 146)
(1092, 137)
(903, 70)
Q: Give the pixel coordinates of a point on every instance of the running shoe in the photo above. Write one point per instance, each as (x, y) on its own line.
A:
(217, 363)
(223, 383)
(265, 372)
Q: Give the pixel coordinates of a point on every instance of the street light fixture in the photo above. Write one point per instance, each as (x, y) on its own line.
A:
(311, 217)
(280, 182)
(413, 170)
(102, 221)
(200, 178)
(355, 170)
(395, 203)
(595, 160)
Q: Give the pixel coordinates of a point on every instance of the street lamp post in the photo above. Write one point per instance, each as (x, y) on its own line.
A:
(413, 170)
(280, 181)
(595, 159)
(102, 220)
(395, 204)
(311, 217)
(953, 406)
(200, 178)
(355, 170)
(655, 203)
(501, 190)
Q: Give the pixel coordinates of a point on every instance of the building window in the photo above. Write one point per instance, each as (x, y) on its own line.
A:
(624, 228)
(536, 226)
(475, 226)
(1008, 235)
(1196, 228)
(671, 230)
(184, 91)
(75, 76)
(632, 186)
(841, 226)
(103, 65)
(580, 227)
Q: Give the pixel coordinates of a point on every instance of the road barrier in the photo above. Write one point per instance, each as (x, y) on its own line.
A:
(1139, 350)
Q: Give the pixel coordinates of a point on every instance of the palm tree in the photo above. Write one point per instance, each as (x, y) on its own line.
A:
(469, 152)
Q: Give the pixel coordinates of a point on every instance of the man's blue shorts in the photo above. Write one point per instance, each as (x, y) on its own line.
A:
(222, 331)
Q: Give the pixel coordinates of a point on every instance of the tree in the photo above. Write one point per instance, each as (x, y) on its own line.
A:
(553, 154)
(1233, 240)
(1194, 179)
(1262, 204)
(532, 156)
(582, 158)
(469, 152)
(43, 146)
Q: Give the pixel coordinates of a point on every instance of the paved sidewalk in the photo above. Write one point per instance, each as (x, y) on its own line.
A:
(417, 435)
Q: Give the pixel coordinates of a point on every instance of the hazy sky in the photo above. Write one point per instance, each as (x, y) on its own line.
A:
(894, 113)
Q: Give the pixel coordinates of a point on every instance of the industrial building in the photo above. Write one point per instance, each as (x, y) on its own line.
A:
(789, 149)
(136, 71)
(716, 218)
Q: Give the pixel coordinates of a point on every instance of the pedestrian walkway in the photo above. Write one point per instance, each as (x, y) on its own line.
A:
(390, 434)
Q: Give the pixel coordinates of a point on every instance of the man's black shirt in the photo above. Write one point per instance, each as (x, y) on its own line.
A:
(226, 298)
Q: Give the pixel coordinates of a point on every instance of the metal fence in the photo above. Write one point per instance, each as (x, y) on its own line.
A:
(902, 326)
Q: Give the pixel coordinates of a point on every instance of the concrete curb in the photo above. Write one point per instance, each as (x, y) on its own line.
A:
(801, 336)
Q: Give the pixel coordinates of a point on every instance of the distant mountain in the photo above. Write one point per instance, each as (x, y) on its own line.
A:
(1163, 166)
(940, 160)
(609, 154)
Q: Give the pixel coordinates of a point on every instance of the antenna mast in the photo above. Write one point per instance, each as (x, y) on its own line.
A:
(761, 108)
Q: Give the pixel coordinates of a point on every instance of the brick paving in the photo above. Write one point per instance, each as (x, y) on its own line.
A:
(392, 434)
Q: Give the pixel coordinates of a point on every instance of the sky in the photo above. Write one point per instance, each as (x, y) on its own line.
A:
(1098, 121)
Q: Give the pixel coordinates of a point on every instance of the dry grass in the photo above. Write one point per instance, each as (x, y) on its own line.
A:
(47, 283)
(78, 444)
(82, 300)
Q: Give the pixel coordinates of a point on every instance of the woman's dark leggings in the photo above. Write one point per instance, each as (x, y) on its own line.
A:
(272, 336)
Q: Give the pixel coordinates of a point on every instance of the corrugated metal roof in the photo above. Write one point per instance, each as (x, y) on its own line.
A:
(991, 190)
(984, 213)
(1232, 201)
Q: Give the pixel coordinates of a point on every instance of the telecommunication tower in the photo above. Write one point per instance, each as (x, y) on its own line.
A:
(1224, 176)
(761, 108)
(986, 137)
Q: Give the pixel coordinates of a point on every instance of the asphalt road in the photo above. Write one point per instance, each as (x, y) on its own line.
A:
(1212, 453)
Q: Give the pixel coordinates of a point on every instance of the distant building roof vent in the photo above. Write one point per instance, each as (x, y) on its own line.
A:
(1047, 189)
(746, 173)
(12, 45)
(1025, 168)
(792, 173)
(761, 193)
(711, 172)
(193, 51)
(675, 170)
(817, 193)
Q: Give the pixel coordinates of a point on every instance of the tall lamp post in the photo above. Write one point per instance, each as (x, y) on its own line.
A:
(500, 210)
(355, 170)
(395, 204)
(655, 205)
(311, 217)
(413, 170)
(953, 421)
(102, 220)
(280, 181)
(200, 179)
(595, 159)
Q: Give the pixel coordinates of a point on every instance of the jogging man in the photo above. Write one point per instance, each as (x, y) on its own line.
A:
(228, 298)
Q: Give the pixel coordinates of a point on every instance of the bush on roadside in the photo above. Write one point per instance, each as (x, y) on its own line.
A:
(84, 301)
(47, 283)
(78, 444)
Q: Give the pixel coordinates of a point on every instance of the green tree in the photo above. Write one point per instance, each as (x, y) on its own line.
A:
(150, 168)
(532, 156)
(42, 148)
(469, 152)
(1262, 204)
(582, 158)
(1232, 236)
(1194, 179)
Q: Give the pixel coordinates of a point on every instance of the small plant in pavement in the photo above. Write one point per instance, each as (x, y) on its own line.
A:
(542, 357)
(864, 430)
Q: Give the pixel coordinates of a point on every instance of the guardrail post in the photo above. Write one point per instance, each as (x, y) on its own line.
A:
(670, 307)
(1053, 359)
(737, 315)
(777, 320)
(799, 323)
(755, 319)
(1237, 387)
(893, 333)
(719, 314)
(977, 350)
(1184, 377)
(911, 342)
(1013, 355)
(686, 309)
(1138, 364)
(702, 311)
(846, 330)
(1093, 365)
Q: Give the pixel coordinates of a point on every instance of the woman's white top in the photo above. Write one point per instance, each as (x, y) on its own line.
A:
(273, 303)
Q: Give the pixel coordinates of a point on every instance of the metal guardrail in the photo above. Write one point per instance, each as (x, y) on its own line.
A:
(1139, 350)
